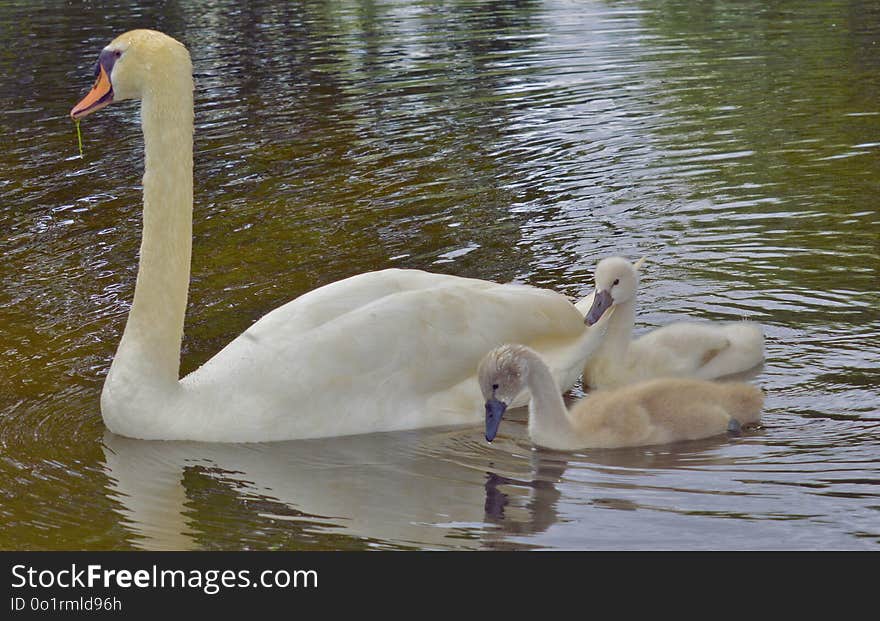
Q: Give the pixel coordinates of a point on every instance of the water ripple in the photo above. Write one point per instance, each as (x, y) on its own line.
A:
(509, 141)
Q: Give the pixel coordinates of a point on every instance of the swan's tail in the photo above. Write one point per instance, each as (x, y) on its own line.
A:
(584, 305)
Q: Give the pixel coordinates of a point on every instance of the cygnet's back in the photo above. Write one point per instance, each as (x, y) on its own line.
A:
(664, 410)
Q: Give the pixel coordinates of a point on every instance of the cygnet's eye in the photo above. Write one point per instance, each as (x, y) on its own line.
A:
(616, 281)
(494, 386)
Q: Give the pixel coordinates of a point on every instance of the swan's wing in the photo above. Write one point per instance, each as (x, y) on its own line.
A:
(584, 305)
(325, 304)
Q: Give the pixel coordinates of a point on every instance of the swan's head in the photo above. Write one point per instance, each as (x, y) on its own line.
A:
(133, 64)
(617, 281)
(503, 373)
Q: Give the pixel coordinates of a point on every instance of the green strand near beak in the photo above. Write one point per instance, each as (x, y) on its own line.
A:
(79, 138)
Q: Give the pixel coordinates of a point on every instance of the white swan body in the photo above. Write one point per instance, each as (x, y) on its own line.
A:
(376, 352)
(657, 411)
(387, 350)
(703, 350)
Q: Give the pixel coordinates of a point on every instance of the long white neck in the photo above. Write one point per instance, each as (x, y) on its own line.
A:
(548, 416)
(149, 352)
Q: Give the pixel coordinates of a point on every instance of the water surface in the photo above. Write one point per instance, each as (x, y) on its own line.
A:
(736, 144)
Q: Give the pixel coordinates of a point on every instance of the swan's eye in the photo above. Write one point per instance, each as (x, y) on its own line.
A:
(117, 53)
(616, 281)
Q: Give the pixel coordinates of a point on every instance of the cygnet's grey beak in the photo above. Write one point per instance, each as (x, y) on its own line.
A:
(494, 413)
(601, 303)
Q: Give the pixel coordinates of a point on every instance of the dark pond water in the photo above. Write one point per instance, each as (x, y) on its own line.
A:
(737, 144)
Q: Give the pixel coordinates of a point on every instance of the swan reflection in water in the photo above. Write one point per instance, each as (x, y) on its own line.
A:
(407, 488)
(441, 488)
(391, 487)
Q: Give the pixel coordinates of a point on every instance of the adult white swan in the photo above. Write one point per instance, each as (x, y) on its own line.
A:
(704, 350)
(381, 351)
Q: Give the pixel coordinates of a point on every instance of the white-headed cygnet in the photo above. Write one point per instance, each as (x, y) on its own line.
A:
(657, 411)
(703, 350)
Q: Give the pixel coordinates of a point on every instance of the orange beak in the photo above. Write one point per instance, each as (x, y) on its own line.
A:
(100, 95)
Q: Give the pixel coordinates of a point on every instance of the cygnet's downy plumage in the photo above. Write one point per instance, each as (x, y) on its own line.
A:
(703, 350)
(657, 411)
